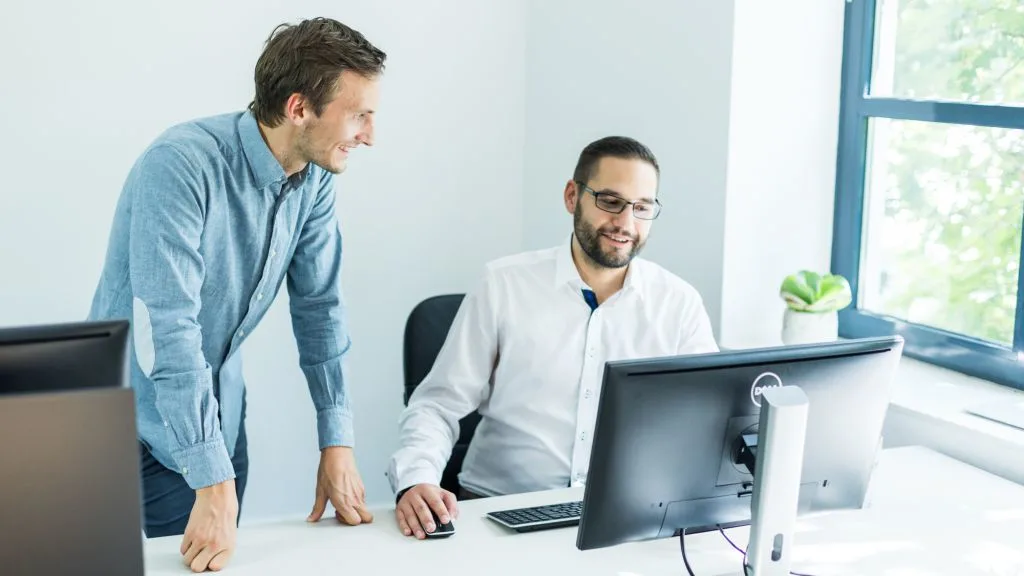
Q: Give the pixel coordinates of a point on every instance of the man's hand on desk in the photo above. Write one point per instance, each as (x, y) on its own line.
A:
(338, 481)
(211, 531)
(413, 510)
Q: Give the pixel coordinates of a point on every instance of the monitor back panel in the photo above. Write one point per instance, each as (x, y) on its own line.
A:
(664, 443)
(69, 484)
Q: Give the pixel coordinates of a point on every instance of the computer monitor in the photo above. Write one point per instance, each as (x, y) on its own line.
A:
(58, 357)
(69, 454)
(667, 446)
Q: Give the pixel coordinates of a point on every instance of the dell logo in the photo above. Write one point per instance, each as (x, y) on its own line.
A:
(762, 383)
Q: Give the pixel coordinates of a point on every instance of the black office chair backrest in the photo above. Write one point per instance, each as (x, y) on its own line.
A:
(425, 333)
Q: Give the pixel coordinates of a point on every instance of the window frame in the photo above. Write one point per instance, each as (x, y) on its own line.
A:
(959, 352)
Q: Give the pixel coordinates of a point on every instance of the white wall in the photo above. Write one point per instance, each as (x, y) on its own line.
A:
(87, 85)
(656, 70)
(739, 99)
(783, 130)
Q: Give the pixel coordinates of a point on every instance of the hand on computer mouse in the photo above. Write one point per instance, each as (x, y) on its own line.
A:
(423, 507)
(443, 530)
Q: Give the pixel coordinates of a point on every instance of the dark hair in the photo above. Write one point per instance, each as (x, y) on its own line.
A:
(615, 147)
(309, 58)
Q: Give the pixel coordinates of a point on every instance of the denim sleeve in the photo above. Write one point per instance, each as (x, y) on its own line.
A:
(167, 273)
(318, 318)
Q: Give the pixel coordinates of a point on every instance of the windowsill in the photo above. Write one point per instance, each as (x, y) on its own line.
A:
(946, 395)
(929, 407)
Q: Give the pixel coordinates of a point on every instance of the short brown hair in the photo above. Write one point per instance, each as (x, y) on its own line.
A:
(308, 58)
(615, 147)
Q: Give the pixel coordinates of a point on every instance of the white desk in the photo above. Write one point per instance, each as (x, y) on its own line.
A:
(929, 514)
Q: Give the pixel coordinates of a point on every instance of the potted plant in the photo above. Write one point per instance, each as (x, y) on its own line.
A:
(813, 302)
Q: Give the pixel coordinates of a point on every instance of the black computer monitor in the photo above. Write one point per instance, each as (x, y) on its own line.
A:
(667, 446)
(59, 357)
(69, 454)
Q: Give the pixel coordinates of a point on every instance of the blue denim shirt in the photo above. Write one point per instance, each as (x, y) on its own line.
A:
(206, 230)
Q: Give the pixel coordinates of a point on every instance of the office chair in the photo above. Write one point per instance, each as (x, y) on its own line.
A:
(425, 332)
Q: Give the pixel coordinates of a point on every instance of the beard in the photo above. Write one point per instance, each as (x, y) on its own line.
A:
(590, 241)
(324, 161)
(323, 158)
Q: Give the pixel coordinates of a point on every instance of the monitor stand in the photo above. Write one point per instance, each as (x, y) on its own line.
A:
(778, 469)
(776, 456)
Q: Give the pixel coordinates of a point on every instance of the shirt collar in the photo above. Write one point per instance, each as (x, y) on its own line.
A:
(565, 268)
(265, 168)
(634, 277)
(567, 273)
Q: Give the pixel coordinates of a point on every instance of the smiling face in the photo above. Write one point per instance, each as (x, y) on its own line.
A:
(345, 123)
(316, 92)
(612, 240)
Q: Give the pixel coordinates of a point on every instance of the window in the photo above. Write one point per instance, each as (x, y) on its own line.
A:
(930, 180)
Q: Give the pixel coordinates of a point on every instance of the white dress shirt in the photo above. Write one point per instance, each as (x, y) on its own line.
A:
(526, 350)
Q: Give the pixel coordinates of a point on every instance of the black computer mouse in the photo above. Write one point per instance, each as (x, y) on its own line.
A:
(442, 530)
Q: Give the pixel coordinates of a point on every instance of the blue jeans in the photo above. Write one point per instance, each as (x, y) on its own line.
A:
(167, 499)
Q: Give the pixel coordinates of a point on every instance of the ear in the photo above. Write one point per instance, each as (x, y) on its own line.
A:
(297, 110)
(571, 195)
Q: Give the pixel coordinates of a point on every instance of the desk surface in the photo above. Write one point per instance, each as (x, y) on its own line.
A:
(928, 514)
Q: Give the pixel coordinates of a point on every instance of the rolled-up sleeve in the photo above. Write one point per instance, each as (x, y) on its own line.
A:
(318, 318)
(167, 272)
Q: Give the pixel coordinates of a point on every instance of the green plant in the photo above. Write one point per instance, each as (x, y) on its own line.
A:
(808, 291)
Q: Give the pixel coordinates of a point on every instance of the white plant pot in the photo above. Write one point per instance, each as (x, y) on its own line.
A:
(809, 327)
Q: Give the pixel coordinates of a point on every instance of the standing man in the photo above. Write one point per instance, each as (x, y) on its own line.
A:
(214, 216)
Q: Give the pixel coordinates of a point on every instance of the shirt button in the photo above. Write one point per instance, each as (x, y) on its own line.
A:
(587, 393)
(241, 333)
(273, 253)
(184, 470)
(165, 423)
(583, 436)
(259, 296)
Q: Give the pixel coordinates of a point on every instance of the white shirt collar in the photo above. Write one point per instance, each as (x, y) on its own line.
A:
(567, 273)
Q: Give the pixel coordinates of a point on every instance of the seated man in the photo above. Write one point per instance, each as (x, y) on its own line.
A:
(529, 344)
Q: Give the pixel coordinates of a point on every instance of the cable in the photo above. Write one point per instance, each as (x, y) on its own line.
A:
(682, 548)
(746, 567)
(731, 543)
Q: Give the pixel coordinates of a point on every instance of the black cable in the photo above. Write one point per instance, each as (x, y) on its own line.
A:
(682, 548)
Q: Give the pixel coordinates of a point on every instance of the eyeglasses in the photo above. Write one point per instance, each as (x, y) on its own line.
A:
(611, 202)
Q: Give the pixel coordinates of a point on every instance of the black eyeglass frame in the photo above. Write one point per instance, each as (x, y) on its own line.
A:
(598, 196)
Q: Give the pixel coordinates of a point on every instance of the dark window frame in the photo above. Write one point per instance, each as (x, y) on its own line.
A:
(972, 356)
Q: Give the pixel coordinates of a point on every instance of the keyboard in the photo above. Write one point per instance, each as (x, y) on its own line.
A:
(539, 517)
